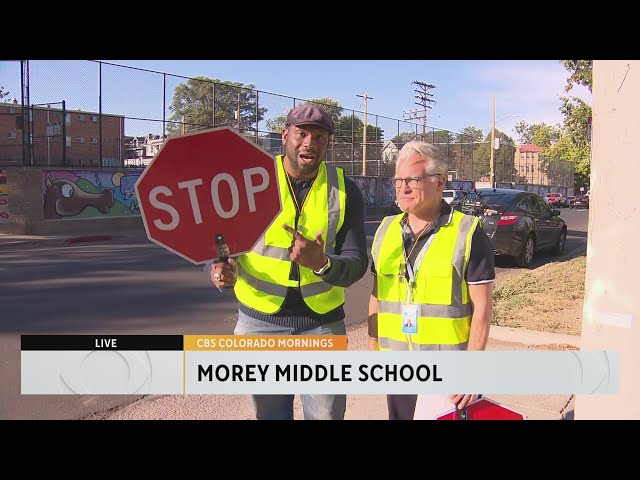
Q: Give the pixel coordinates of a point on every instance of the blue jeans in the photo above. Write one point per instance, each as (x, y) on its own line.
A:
(280, 407)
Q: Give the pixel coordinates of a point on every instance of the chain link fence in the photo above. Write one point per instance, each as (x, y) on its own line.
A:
(118, 116)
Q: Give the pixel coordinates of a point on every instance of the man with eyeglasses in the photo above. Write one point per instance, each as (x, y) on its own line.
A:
(434, 274)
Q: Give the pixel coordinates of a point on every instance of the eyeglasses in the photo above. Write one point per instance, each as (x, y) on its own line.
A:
(412, 182)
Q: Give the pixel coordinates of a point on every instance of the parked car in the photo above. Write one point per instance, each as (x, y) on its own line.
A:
(521, 224)
(466, 202)
(450, 195)
(556, 199)
(580, 201)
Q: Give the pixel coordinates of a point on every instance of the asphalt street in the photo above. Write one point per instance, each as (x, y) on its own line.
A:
(131, 286)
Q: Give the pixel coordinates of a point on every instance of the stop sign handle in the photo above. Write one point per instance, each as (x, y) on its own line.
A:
(222, 250)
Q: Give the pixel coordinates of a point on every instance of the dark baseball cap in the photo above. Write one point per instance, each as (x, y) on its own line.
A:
(310, 115)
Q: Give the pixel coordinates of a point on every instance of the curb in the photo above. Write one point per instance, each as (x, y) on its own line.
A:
(532, 337)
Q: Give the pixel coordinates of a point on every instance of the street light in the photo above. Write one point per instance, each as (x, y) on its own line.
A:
(492, 174)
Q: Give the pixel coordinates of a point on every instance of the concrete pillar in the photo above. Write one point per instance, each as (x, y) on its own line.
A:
(612, 299)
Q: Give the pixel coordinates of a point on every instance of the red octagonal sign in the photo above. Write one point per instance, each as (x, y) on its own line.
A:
(204, 184)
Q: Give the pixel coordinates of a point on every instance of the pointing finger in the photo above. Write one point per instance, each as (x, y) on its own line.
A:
(290, 230)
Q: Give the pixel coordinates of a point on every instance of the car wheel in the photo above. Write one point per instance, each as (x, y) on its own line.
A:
(559, 247)
(524, 259)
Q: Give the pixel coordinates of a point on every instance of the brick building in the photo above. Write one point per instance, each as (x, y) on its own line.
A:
(80, 137)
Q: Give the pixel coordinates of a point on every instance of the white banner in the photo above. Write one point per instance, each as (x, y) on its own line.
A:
(328, 372)
(367, 372)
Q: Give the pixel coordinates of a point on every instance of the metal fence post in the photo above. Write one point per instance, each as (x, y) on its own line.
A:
(64, 133)
(100, 112)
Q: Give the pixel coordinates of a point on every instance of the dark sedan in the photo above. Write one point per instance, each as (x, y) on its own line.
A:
(521, 224)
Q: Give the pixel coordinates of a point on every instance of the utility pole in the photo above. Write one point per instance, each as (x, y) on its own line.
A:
(423, 96)
(492, 175)
(364, 134)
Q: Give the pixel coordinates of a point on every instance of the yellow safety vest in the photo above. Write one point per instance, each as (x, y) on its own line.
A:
(263, 273)
(439, 289)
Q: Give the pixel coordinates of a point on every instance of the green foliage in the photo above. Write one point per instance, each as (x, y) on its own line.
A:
(569, 142)
(194, 100)
(539, 134)
(329, 105)
(581, 73)
(3, 92)
(403, 138)
(503, 158)
(350, 129)
(439, 137)
(470, 134)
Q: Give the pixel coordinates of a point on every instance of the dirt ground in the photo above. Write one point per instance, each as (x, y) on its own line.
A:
(548, 299)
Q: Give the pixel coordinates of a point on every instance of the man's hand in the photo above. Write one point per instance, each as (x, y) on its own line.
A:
(372, 343)
(224, 275)
(305, 252)
(462, 400)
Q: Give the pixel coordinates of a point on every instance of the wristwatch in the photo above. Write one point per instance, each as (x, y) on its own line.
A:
(324, 269)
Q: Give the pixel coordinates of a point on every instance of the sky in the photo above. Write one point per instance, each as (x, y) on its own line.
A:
(525, 90)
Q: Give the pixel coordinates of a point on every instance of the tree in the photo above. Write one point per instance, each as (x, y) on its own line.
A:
(539, 134)
(3, 92)
(329, 105)
(502, 157)
(581, 73)
(349, 135)
(470, 134)
(439, 137)
(403, 138)
(193, 101)
(576, 147)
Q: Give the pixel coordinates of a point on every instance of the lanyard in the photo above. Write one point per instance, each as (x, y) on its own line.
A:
(410, 270)
(295, 198)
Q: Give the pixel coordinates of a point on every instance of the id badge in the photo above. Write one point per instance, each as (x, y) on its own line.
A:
(409, 318)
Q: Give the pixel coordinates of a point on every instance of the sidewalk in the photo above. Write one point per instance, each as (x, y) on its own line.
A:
(15, 240)
(359, 407)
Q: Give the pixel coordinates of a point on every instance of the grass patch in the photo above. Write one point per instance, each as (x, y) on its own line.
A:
(548, 299)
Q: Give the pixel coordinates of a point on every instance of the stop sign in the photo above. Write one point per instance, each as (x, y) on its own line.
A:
(204, 184)
(483, 409)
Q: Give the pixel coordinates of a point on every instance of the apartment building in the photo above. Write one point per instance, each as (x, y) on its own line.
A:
(54, 143)
(526, 163)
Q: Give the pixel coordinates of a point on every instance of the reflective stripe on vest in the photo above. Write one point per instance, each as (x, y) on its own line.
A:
(263, 273)
(440, 291)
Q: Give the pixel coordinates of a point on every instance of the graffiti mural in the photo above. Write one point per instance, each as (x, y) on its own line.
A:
(71, 194)
(4, 197)
(388, 192)
(367, 186)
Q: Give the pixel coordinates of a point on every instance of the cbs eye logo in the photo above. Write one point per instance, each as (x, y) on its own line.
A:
(105, 372)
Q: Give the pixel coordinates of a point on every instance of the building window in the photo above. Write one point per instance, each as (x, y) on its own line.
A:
(94, 118)
(94, 140)
(81, 117)
(80, 139)
(67, 118)
(67, 142)
(12, 136)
